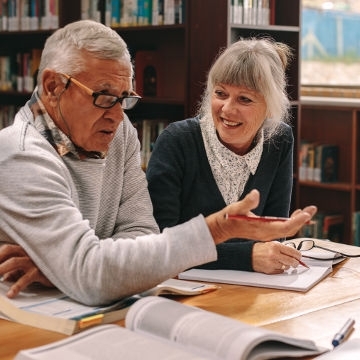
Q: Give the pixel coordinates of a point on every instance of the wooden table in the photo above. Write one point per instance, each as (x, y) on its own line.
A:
(317, 314)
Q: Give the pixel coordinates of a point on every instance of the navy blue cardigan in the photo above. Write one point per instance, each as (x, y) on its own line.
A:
(182, 185)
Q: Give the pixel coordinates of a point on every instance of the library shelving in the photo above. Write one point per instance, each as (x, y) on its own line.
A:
(187, 49)
(184, 51)
(333, 121)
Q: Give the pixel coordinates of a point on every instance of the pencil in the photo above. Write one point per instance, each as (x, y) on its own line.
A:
(303, 264)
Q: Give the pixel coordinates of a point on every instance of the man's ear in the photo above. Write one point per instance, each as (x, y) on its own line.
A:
(53, 86)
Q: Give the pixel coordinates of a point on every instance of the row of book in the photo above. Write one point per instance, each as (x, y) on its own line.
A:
(25, 15)
(134, 12)
(28, 15)
(325, 225)
(250, 12)
(148, 131)
(18, 71)
(318, 162)
(330, 226)
(7, 114)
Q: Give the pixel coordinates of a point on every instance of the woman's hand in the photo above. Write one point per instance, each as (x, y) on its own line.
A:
(273, 257)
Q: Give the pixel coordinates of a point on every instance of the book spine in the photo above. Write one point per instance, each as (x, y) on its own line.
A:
(179, 12)
(329, 163)
(115, 13)
(34, 15)
(356, 228)
(129, 13)
(95, 13)
(5, 73)
(13, 15)
(7, 115)
(155, 13)
(85, 9)
(169, 12)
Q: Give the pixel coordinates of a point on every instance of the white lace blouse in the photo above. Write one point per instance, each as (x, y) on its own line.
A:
(231, 171)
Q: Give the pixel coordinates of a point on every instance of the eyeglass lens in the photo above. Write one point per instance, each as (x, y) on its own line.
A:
(306, 245)
(108, 101)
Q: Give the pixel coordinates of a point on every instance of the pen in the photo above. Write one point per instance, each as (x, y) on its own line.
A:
(257, 218)
(263, 218)
(343, 333)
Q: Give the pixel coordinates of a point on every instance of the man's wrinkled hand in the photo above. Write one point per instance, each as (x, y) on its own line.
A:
(17, 267)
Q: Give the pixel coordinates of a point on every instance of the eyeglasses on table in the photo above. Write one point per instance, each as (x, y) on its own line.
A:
(308, 244)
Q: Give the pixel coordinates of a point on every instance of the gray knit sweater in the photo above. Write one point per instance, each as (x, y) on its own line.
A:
(88, 224)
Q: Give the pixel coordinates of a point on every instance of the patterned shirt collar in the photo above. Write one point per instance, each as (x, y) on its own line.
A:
(231, 171)
(59, 140)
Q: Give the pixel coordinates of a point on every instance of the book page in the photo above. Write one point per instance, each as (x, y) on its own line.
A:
(52, 302)
(52, 310)
(210, 334)
(349, 350)
(107, 342)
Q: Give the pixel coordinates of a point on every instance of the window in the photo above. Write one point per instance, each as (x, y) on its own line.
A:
(330, 48)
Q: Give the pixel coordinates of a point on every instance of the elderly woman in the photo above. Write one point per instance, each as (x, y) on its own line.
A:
(238, 142)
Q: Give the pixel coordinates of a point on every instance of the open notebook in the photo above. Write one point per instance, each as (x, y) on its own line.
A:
(297, 279)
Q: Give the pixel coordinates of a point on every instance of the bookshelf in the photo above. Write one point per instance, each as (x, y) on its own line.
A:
(21, 41)
(185, 51)
(335, 121)
(184, 61)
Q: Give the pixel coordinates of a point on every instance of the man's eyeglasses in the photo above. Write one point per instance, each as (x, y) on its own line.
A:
(105, 101)
(306, 245)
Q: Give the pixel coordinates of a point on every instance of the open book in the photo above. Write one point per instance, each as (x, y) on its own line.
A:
(52, 310)
(297, 279)
(159, 328)
(348, 350)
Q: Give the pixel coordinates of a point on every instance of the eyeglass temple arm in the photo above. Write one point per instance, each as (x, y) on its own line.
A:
(336, 252)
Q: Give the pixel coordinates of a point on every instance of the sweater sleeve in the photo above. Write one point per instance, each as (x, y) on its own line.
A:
(165, 175)
(179, 192)
(181, 185)
(233, 254)
(40, 212)
(274, 176)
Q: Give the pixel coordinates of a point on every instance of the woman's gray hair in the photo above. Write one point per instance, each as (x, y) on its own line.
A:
(64, 50)
(259, 65)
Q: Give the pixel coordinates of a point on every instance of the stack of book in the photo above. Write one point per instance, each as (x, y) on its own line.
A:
(318, 162)
(325, 225)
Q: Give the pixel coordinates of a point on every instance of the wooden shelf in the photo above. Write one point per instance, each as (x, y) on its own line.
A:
(334, 121)
(329, 186)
